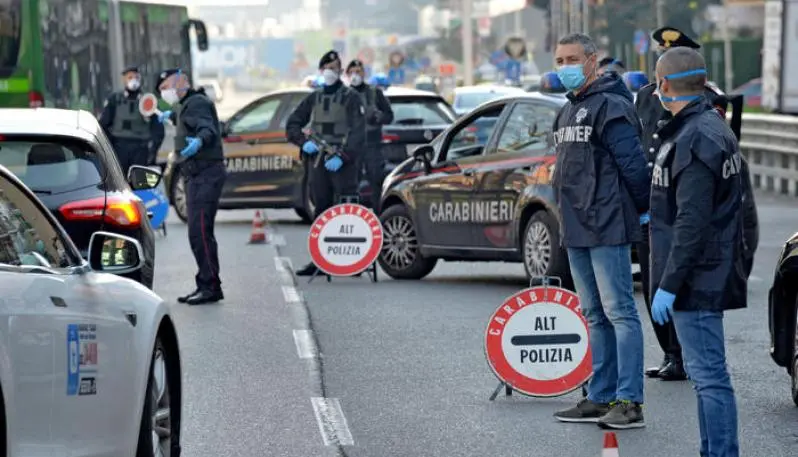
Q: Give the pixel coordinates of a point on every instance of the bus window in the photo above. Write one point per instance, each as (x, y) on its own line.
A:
(10, 36)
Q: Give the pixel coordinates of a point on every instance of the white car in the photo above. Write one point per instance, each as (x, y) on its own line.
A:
(89, 361)
(469, 97)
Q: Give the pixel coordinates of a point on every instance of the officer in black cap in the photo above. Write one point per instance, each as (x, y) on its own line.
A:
(653, 116)
(378, 113)
(198, 144)
(336, 113)
(608, 64)
(136, 139)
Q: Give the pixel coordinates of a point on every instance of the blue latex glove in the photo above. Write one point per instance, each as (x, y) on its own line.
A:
(662, 306)
(310, 148)
(193, 146)
(334, 163)
(645, 218)
(164, 117)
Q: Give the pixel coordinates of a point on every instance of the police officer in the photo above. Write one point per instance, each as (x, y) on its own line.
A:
(696, 239)
(378, 113)
(652, 116)
(336, 113)
(198, 141)
(136, 140)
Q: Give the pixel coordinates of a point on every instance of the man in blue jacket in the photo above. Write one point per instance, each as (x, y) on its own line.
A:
(602, 187)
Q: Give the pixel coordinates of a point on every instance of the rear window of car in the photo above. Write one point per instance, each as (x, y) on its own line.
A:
(51, 165)
(472, 100)
(421, 111)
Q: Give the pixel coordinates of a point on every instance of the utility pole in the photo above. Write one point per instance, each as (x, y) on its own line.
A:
(585, 17)
(728, 69)
(468, 42)
(517, 25)
(660, 6)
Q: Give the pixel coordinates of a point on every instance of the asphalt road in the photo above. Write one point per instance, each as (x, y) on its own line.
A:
(401, 364)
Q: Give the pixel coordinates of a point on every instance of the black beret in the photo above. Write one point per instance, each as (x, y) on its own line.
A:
(130, 68)
(165, 74)
(355, 64)
(669, 37)
(328, 57)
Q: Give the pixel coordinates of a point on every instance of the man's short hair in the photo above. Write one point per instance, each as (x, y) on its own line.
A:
(680, 60)
(580, 38)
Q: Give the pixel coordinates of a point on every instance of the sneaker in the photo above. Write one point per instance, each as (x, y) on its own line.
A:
(623, 415)
(584, 411)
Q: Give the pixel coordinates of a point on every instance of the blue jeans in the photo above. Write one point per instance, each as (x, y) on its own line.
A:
(704, 353)
(603, 280)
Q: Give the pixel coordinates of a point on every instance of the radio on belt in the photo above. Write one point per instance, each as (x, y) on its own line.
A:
(346, 240)
(537, 342)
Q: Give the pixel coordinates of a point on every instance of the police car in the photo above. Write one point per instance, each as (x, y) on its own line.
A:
(266, 171)
(783, 312)
(478, 197)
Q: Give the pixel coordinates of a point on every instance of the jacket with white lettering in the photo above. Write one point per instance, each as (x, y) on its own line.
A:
(601, 181)
(696, 212)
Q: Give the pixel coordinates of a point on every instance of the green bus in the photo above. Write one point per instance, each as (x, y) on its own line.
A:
(70, 53)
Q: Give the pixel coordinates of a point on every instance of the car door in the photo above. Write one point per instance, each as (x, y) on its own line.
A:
(512, 164)
(257, 155)
(89, 366)
(443, 197)
(290, 183)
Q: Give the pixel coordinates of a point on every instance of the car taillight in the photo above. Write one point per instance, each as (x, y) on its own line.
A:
(35, 99)
(119, 210)
(233, 139)
(390, 138)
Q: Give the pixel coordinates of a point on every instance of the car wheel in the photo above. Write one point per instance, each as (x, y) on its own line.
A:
(401, 253)
(157, 438)
(543, 255)
(179, 196)
(794, 371)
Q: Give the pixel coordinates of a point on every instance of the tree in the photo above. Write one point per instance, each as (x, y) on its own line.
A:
(450, 43)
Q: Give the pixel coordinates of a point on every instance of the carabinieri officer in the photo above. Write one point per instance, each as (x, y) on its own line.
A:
(198, 140)
(336, 113)
(697, 239)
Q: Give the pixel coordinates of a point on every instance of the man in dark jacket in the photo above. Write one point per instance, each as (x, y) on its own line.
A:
(378, 113)
(601, 184)
(696, 240)
(136, 140)
(336, 113)
(653, 115)
(198, 141)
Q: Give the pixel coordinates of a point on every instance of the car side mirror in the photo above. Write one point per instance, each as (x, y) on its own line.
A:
(424, 155)
(143, 178)
(114, 253)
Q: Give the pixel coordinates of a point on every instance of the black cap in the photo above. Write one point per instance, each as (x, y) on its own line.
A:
(130, 68)
(669, 37)
(328, 57)
(165, 74)
(610, 61)
(355, 64)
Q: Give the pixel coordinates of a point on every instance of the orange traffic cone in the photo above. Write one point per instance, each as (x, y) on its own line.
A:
(610, 445)
(258, 235)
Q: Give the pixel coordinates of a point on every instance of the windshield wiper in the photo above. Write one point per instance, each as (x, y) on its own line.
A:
(42, 191)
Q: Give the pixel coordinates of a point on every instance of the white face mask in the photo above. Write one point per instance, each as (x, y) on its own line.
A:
(356, 79)
(170, 96)
(133, 84)
(330, 77)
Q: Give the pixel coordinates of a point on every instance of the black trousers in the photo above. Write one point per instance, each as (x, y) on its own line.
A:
(205, 180)
(327, 187)
(374, 166)
(666, 334)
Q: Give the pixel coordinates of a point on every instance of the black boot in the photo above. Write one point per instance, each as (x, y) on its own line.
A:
(205, 296)
(185, 298)
(308, 270)
(654, 372)
(674, 371)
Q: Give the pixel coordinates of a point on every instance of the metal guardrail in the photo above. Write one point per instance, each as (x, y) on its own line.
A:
(770, 144)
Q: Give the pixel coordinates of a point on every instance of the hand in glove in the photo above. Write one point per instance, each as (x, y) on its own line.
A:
(192, 147)
(333, 164)
(662, 306)
(164, 117)
(310, 148)
(645, 218)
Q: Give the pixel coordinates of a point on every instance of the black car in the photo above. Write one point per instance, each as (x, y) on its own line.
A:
(265, 170)
(473, 196)
(783, 312)
(64, 157)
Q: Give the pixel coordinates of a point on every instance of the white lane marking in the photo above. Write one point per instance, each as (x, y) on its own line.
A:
(291, 295)
(332, 423)
(278, 240)
(283, 264)
(305, 344)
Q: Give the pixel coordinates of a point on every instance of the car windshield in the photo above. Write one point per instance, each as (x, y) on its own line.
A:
(51, 165)
(420, 111)
(473, 99)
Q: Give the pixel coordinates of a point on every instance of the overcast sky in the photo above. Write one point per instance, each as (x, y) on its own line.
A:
(227, 2)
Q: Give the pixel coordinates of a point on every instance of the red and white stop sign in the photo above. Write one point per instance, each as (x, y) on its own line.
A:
(345, 240)
(537, 342)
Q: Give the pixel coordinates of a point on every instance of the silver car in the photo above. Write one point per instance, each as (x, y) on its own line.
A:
(89, 361)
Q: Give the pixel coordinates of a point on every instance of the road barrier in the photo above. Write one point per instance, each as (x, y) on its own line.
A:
(770, 144)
